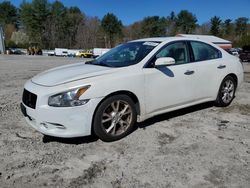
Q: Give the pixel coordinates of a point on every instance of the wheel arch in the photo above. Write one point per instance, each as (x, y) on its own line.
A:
(234, 76)
(121, 92)
(230, 74)
(217, 101)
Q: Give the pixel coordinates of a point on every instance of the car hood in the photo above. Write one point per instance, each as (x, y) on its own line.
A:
(70, 73)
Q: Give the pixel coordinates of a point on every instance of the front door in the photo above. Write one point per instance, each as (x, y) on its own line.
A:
(170, 86)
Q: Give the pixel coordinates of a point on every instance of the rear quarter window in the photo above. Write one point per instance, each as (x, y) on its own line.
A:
(203, 51)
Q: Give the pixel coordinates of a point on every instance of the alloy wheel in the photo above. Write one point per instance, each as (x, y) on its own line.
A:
(117, 117)
(227, 91)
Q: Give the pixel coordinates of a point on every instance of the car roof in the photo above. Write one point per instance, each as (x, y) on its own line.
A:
(167, 39)
(172, 39)
(155, 39)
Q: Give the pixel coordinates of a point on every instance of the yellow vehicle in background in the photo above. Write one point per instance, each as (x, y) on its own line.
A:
(86, 54)
(34, 49)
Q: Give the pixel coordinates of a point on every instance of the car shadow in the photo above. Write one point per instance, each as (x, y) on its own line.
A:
(173, 114)
(75, 141)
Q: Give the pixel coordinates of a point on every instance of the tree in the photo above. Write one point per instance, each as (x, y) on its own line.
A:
(215, 26)
(133, 31)
(34, 16)
(172, 16)
(8, 30)
(51, 25)
(228, 27)
(55, 25)
(8, 19)
(203, 29)
(112, 27)
(171, 27)
(73, 19)
(89, 34)
(20, 38)
(186, 22)
(8, 13)
(153, 26)
(241, 26)
(243, 41)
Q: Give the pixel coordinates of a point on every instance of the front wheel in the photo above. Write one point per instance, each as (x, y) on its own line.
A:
(226, 92)
(114, 118)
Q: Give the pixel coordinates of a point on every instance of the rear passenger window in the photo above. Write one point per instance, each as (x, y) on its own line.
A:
(204, 51)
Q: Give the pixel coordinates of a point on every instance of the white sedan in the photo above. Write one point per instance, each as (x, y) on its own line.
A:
(130, 83)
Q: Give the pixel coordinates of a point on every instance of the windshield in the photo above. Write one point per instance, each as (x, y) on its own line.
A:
(126, 54)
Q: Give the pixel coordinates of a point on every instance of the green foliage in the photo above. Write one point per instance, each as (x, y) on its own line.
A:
(153, 26)
(215, 26)
(57, 10)
(244, 41)
(241, 26)
(171, 27)
(55, 30)
(112, 27)
(10, 44)
(51, 25)
(8, 13)
(72, 20)
(34, 16)
(172, 16)
(186, 22)
(228, 27)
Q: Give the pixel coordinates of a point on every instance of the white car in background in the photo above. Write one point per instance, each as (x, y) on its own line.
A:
(132, 82)
(100, 51)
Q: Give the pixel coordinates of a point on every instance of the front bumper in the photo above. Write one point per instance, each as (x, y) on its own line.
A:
(63, 122)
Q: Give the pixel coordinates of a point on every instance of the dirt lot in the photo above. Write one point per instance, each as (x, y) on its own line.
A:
(200, 147)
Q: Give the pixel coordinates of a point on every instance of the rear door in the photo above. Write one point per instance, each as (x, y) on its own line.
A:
(210, 68)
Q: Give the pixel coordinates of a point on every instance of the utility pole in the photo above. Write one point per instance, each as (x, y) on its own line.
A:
(2, 46)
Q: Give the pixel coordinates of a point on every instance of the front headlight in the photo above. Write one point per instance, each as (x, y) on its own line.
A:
(69, 98)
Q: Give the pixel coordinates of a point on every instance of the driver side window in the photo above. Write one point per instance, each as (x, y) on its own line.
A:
(178, 51)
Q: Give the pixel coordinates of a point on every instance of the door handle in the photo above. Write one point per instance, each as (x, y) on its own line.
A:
(221, 66)
(189, 72)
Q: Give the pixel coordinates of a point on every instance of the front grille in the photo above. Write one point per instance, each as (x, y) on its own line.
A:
(29, 99)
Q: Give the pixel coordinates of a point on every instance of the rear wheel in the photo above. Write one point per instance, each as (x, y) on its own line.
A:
(114, 118)
(226, 92)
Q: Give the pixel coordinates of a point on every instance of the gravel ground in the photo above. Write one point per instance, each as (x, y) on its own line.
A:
(201, 147)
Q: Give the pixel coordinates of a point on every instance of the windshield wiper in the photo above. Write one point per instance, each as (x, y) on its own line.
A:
(94, 62)
(90, 62)
(101, 64)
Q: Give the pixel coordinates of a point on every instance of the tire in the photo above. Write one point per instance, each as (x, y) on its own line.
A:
(114, 118)
(226, 92)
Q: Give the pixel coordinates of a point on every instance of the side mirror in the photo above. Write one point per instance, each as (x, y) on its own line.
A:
(164, 61)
